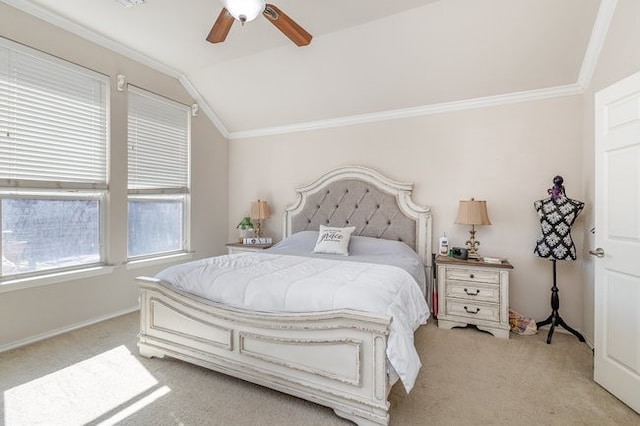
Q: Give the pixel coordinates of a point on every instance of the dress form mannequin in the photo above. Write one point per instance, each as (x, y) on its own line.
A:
(557, 214)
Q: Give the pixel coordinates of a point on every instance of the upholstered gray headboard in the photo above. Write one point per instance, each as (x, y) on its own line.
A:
(352, 202)
(356, 196)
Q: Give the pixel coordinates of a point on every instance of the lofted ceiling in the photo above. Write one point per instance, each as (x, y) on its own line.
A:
(368, 58)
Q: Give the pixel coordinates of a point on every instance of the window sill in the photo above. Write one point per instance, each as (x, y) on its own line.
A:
(143, 263)
(52, 278)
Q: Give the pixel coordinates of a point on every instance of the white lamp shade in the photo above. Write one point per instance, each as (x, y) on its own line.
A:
(247, 9)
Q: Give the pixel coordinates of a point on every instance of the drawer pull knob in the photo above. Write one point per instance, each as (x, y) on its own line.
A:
(472, 312)
(472, 293)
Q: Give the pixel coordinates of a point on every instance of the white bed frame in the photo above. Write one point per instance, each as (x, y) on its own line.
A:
(337, 359)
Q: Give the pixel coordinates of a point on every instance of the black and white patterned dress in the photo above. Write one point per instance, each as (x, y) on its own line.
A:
(557, 214)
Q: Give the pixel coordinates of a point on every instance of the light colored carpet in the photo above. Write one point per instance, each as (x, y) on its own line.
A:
(94, 376)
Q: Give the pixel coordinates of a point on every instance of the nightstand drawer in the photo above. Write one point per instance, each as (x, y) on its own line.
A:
(473, 275)
(473, 292)
(478, 311)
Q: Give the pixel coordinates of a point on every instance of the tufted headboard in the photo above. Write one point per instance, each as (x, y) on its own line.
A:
(356, 196)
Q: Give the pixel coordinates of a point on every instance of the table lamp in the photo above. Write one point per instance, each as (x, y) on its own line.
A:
(259, 212)
(473, 213)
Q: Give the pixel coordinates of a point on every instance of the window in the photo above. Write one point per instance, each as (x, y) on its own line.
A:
(158, 180)
(53, 162)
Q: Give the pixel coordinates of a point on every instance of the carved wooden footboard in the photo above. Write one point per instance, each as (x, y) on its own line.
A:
(336, 359)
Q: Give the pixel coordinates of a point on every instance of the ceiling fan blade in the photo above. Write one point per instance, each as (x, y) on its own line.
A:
(221, 28)
(288, 26)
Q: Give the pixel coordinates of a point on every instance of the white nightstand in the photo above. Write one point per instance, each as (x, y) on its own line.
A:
(233, 248)
(473, 292)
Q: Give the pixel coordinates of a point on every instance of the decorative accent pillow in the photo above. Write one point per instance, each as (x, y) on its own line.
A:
(332, 240)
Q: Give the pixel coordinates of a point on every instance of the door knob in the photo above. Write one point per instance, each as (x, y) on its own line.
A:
(599, 252)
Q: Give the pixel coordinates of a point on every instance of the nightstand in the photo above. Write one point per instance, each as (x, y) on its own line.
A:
(473, 292)
(233, 248)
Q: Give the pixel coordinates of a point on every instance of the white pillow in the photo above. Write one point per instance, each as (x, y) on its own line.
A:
(333, 240)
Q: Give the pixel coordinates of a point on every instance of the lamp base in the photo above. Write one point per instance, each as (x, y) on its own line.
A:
(472, 245)
(473, 255)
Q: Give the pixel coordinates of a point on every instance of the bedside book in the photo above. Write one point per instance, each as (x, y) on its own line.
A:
(257, 240)
(494, 260)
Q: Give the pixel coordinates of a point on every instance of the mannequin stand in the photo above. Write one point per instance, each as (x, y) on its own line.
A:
(555, 319)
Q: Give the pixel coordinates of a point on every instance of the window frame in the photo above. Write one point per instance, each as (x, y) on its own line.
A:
(62, 189)
(186, 223)
(99, 196)
(162, 193)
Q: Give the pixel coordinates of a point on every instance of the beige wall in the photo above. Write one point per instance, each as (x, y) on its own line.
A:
(507, 155)
(29, 313)
(620, 57)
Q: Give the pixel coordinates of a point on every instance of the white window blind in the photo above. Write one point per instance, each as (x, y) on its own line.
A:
(159, 138)
(53, 121)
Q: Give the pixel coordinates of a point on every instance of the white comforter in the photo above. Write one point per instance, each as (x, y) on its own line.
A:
(284, 283)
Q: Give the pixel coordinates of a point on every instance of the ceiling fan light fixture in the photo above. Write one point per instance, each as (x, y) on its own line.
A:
(244, 10)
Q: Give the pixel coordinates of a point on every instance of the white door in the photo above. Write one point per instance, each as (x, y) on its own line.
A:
(617, 239)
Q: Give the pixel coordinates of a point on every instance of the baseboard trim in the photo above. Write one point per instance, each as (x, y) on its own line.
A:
(66, 329)
(545, 330)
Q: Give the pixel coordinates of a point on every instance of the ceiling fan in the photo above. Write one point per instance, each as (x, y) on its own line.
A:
(248, 10)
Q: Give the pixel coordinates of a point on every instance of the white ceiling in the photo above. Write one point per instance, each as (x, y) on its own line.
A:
(367, 57)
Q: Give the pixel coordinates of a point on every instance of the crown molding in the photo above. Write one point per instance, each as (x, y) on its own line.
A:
(589, 63)
(598, 37)
(596, 41)
(204, 106)
(88, 34)
(482, 102)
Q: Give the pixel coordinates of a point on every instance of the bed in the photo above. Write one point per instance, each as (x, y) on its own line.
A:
(338, 355)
